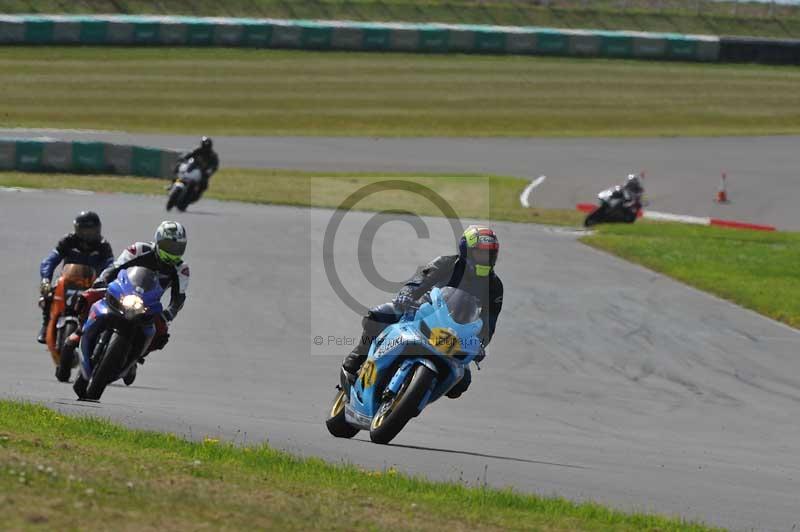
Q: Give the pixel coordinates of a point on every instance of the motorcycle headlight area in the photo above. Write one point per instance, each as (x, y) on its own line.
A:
(133, 305)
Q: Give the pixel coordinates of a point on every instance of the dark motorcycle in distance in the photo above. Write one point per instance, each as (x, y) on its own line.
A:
(186, 186)
(615, 207)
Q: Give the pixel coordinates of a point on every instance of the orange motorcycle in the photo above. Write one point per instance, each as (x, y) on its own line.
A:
(66, 315)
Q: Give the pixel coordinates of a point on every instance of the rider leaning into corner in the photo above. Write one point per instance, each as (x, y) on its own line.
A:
(84, 245)
(206, 159)
(471, 270)
(631, 192)
(165, 256)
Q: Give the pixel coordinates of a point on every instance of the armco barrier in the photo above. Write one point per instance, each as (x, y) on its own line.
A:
(347, 35)
(50, 155)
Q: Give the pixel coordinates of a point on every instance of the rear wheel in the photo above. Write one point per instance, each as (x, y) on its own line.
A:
(336, 423)
(109, 367)
(395, 412)
(67, 353)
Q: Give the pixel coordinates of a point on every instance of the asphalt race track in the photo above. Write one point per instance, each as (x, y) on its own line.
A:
(683, 174)
(605, 381)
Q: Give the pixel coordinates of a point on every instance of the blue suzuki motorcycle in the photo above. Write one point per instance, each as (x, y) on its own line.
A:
(119, 330)
(410, 365)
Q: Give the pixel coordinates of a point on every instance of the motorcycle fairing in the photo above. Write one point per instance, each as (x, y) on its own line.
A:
(100, 315)
(417, 335)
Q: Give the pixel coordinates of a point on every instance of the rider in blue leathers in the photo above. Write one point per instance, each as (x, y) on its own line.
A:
(85, 245)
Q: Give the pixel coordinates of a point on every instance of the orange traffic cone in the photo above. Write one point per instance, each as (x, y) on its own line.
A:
(722, 193)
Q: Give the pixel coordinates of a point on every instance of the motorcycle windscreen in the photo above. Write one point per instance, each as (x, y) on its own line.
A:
(143, 278)
(141, 281)
(462, 306)
(77, 276)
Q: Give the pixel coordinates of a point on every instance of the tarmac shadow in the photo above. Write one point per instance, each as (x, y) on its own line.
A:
(477, 454)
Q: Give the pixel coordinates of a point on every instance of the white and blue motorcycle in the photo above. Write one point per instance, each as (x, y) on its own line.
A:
(410, 365)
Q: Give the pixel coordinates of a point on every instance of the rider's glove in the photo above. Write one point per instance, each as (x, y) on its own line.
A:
(481, 355)
(167, 315)
(99, 283)
(44, 287)
(402, 303)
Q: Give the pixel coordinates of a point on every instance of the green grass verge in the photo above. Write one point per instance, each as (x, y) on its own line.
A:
(60, 472)
(753, 269)
(483, 197)
(676, 16)
(260, 92)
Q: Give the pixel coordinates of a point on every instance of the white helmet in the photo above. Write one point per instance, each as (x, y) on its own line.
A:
(170, 239)
(633, 183)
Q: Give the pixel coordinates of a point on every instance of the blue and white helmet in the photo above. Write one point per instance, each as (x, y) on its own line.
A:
(170, 241)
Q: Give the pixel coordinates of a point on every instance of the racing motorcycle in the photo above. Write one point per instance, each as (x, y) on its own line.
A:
(185, 188)
(410, 365)
(66, 311)
(118, 331)
(613, 208)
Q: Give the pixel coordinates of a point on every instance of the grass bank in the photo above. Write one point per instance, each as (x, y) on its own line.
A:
(59, 472)
(752, 269)
(263, 92)
(732, 18)
(483, 197)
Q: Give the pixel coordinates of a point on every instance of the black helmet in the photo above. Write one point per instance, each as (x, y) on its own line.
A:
(206, 143)
(87, 227)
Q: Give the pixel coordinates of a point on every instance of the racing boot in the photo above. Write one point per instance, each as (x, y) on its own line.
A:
(44, 304)
(461, 386)
(373, 324)
(72, 340)
(352, 363)
(42, 337)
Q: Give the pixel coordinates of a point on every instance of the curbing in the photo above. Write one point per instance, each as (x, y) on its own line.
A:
(51, 155)
(347, 35)
(686, 219)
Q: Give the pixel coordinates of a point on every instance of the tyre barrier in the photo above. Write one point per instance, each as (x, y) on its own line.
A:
(752, 50)
(51, 155)
(348, 35)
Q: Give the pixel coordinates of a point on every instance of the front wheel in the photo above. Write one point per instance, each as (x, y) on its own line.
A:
(595, 217)
(174, 196)
(395, 412)
(336, 423)
(67, 353)
(80, 385)
(186, 200)
(109, 367)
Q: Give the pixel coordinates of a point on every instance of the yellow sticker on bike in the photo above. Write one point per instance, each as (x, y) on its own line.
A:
(368, 373)
(445, 341)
